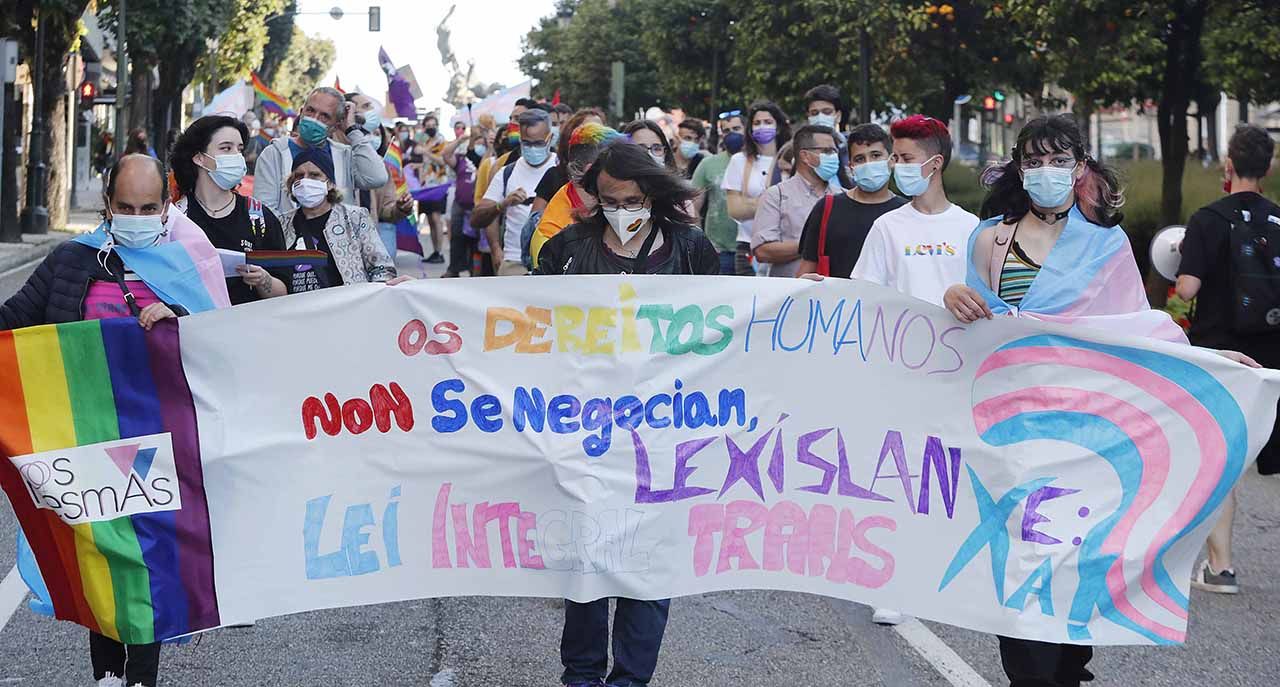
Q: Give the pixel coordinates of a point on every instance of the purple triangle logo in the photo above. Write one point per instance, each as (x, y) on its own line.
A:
(142, 464)
(123, 456)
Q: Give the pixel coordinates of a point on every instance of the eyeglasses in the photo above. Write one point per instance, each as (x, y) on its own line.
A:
(824, 151)
(730, 113)
(627, 207)
(655, 148)
(533, 144)
(1058, 162)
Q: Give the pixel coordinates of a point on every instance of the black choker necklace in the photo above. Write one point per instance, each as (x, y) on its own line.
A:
(1057, 216)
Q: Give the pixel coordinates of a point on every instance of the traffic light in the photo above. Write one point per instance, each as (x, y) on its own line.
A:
(88, 91)
(989, 104)
(1008, 120)
(999, 96)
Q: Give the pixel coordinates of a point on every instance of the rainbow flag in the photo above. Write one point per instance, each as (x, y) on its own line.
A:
(407, 228)
(271, 101)
(136, 578)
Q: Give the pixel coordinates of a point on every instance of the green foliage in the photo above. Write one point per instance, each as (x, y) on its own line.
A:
(1242, 49)
(577, 59)
(171, 32)
(303, 66)
(239, 48)
(279, 38)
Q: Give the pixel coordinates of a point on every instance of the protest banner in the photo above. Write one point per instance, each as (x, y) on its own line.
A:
(643, 437)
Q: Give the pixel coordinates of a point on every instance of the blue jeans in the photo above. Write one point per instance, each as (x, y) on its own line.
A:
(387, 232)
(726, 262)
(638, 627)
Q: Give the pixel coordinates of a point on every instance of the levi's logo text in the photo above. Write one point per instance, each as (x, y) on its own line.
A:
(105, 481)
(943, 248)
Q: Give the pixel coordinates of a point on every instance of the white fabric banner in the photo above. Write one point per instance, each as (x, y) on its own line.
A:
(652, 437)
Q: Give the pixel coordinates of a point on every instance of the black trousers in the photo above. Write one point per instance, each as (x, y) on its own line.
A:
(461, 246)
(1029, 663)
(134, 663)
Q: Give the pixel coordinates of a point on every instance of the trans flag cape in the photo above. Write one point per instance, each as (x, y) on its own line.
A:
(1090, 278)
(184, 270)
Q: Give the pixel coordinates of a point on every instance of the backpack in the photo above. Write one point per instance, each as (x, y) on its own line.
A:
(526, 238)
(1254, 270)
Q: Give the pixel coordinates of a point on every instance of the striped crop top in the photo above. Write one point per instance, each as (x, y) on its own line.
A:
(1016, 277)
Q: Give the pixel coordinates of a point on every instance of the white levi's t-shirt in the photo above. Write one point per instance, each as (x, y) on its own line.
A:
(756, 184)
(524, 176)
(919, 255)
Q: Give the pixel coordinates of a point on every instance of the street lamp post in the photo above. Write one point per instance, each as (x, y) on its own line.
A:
(35, 218)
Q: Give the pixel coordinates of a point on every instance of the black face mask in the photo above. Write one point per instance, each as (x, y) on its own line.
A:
(431, 132)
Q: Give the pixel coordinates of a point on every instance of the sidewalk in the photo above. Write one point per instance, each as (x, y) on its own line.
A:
(36, 246)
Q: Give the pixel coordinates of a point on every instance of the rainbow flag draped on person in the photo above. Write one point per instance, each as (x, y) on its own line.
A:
(137, 577)
(407, 228)
(271, 101)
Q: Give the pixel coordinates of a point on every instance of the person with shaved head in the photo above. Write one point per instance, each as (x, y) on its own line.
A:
(145, 261)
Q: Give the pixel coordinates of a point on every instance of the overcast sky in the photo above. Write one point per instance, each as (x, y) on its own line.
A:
(488, 31)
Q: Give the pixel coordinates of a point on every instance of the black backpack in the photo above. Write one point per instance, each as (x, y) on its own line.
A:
(1254, 269)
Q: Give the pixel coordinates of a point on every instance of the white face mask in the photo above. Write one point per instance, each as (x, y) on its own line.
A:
(626, 224)
(310, 193)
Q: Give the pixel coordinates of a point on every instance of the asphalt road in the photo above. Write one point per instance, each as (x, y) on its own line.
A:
(751, 639)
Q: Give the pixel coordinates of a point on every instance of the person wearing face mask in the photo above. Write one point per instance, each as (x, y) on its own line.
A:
(344, 233)
(507, 201)
(837, 227)
(824, 106)
(639, 226)
(466, 155)
(145, 261)
(207, 165)
(783, 209)
(747, 175)
(571, 202)
(920, 248)
(432, 170)
(1052, 249)
(556, 178)
(688, 149)
(720, 228)
(356, 162)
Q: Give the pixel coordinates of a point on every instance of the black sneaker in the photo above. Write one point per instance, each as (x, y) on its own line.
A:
(1221, 582)
(435, 258)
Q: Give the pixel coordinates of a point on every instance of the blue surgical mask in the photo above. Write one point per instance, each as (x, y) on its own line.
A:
(479, 149)
(910, 178)
(555, 138)
(534, 155)
(136, 231)
(688, 149)
(372, 120)
(733, 142)
(872, 176)
(312, 131)
(228, 170)
(828, 166)
(823, 120)
(1049, 187)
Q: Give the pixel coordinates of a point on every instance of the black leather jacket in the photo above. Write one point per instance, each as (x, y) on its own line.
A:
(580, 249)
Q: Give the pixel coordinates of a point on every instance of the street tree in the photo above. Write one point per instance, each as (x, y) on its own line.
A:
(239, 49)
(61, 39)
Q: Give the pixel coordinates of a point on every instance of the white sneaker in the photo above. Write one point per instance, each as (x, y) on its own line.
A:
(110, 681)
(887, 616)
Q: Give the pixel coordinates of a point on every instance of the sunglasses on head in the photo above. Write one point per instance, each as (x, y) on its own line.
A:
(730, 113)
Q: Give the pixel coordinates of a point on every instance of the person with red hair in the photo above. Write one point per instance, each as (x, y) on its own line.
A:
(919, 248)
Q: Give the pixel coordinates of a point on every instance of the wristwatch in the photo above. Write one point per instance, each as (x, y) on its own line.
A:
(352, 129)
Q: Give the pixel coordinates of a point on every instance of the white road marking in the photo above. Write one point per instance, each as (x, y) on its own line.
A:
(943, 658)
(443, 678)
(12, 591)
(19, 268)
